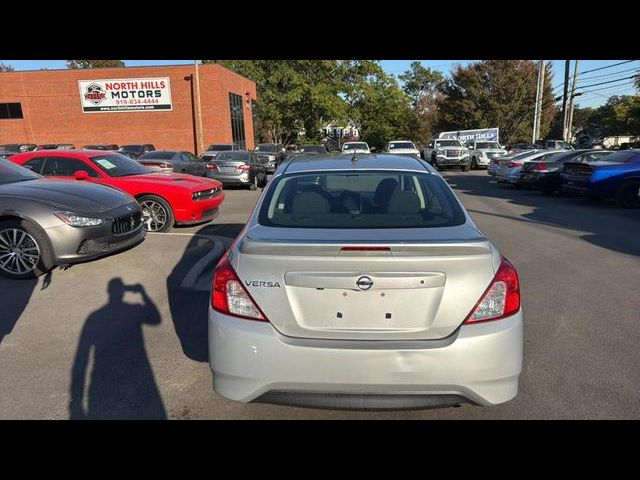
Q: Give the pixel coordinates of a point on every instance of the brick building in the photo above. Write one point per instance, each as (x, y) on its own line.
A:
(68, 106)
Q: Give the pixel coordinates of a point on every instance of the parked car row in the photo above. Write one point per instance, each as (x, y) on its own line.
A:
(595, 173)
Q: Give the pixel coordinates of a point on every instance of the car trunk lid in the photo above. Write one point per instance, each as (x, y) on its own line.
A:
(400, 287)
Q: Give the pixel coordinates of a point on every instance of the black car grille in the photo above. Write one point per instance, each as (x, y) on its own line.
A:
(453, 153)
(126, 223)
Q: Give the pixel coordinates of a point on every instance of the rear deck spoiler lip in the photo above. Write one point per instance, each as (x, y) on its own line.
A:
(479, 246)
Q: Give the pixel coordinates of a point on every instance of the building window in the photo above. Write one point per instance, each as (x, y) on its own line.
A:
(237, 120)
(10, 110)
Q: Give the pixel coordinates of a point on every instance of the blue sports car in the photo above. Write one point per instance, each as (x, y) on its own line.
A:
(615, 176)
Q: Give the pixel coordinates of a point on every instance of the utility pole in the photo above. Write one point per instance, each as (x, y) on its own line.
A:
(537, 112)
(567, 67)
(200, 145)
(573, 94)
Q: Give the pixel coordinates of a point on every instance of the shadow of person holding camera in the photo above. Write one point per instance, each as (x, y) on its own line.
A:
(121, 383)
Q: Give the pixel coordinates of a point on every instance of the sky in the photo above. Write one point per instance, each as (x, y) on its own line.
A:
(592, 97)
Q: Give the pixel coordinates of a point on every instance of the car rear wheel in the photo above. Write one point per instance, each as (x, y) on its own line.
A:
(254, 184)
(474, 163)
(628, 194)
(464, 167)
(24, 251)
(157, 215)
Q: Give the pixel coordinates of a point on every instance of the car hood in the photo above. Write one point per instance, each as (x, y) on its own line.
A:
(178, 180)
(450, 148)
(68, 194)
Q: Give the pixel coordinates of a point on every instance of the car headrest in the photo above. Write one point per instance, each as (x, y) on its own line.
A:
(384, 190)
(404, 203)
(309, 203)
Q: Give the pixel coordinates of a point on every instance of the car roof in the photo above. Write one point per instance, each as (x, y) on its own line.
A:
(316, 163)
(70, 152)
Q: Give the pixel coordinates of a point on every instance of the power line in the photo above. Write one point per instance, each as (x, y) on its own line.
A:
(610, 81)
(612, 73)
(607, 66)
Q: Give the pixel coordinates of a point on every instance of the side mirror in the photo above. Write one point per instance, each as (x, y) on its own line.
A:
(80, 175)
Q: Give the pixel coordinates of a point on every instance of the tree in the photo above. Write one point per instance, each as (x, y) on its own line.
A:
(620, 115)
(293, 95)
(95, 63)
(5, 68)
(496, 93)
(419, 83)
(421, 86)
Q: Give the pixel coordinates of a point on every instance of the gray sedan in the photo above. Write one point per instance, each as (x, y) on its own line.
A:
(364, 284)
(45, 223)
(238, 168)
(174, 161)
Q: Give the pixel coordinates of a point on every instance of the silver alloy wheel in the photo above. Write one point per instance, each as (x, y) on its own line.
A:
(19, 252)
(154, 216)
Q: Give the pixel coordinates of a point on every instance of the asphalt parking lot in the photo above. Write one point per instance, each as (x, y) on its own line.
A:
(125, 336)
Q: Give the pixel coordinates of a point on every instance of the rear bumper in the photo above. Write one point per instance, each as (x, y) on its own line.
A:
(479, 364)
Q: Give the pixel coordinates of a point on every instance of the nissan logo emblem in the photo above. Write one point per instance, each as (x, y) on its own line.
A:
(364, 283)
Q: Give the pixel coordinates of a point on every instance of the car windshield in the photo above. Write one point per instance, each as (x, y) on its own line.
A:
(10, 173)
(219, 148)
(313, 149)
(448, 143)
(158, 155)
(243, 156)
(401, 145)
(117, 165)
(131, 148)
(347, 200)
(487, 145)
(10, 147)
(354, 146)
(267, 147)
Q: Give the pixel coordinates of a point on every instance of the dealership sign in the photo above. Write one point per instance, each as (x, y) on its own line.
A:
(486, 134)
(125, 95)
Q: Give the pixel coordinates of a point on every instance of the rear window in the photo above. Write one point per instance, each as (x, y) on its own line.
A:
(219, 148)
(349, 200)
(158, 155)
(620, 157)
(240, 156)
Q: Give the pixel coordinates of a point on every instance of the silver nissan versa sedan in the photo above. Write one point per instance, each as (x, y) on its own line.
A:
(362, 282)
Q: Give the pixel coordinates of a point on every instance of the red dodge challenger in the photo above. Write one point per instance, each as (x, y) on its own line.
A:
(166, 198)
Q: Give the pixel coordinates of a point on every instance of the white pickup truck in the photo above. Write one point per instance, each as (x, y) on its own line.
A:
(446, 152)
(482, 152)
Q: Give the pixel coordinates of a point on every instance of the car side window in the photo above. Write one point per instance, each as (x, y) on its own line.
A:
(66, 167)
(35, 164)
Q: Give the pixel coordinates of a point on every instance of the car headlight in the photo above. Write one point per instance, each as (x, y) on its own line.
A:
(271, 157)
(76, 220)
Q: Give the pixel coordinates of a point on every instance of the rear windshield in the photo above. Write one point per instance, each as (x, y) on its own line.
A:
(158, 155)
(620, 157)
(219, 148)
(242, 156)
(349, 200)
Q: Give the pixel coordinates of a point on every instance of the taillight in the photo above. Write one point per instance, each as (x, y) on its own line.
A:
(513, 164)
(166, 166)
(213, 166)
(501, 299)
(244, 167)
(541, 167)
(229, 296)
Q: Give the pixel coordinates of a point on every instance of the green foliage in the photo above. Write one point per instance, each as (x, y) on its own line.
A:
(5, 68)
(619, 116)
(496, 93)
(95, 63)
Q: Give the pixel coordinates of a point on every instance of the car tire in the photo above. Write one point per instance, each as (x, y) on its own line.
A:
(474, 163)
(254, 184)
(628, 194)
(163, 220)
(34, 239)
(464, 167)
